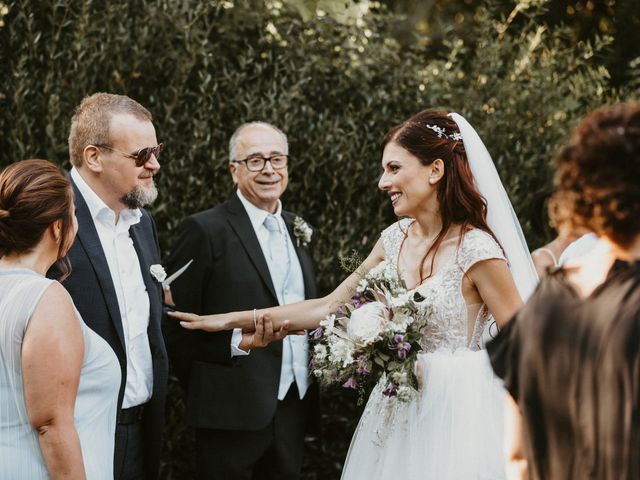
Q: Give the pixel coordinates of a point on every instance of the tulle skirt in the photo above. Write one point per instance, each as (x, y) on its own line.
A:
(451, 430)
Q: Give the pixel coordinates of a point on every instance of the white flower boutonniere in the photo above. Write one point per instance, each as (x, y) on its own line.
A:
(157, 272)
(302, 231)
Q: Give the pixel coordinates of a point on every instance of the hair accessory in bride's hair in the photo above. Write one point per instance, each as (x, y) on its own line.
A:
(442, 133)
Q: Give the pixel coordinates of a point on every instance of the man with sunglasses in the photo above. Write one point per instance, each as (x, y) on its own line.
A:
(250, 411)
(114, 154)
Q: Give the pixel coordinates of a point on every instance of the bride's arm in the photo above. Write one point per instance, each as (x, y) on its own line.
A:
(497, 289)
(300, 316)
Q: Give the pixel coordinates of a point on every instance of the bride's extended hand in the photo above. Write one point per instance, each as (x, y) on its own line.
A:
(208, 323)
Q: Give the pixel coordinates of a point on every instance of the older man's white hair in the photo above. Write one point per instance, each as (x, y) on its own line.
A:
(234, 137)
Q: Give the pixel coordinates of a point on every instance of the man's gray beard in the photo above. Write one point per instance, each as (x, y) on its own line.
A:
(140, 196)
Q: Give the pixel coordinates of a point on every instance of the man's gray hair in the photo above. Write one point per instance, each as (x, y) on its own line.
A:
(234, 137)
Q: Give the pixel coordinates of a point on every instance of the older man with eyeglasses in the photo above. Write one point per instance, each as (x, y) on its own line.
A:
(114, 153)
(250, 407)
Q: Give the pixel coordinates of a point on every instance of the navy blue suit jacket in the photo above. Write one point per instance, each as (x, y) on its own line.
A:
(91, 288)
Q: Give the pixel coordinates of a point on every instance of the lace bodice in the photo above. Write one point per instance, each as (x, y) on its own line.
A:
(450, 325)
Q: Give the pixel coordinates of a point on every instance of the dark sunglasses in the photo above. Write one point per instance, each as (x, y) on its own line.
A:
(142, 156)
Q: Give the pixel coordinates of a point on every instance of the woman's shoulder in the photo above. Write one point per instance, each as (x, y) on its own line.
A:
(399, 227)
(477, 245)
(477, 235)
(393, 235)
(57, 299)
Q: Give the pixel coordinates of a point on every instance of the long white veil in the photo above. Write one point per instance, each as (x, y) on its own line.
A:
(501, 217)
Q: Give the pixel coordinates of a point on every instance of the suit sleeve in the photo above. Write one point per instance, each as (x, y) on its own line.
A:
(189, 293)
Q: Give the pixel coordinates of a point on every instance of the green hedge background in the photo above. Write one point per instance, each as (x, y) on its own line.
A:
(335, 80)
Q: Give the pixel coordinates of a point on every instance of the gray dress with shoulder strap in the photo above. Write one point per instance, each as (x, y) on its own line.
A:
(96, 402)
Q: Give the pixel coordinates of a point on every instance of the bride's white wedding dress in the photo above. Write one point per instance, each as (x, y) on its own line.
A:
(453, 428)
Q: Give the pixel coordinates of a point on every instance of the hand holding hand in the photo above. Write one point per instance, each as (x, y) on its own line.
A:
(264, 333)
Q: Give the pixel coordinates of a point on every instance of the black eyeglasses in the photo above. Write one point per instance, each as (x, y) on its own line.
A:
(255, 163)
(142, 156)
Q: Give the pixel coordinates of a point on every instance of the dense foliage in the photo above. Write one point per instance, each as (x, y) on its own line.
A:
(335, 87)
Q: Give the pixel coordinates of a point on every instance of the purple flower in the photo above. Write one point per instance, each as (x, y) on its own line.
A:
(357, 301)
(401, 347)
(391, 390)
(351, 383)
(403, 350)
(362, 366)
(317, 333)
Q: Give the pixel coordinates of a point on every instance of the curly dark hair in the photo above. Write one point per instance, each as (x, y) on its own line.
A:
(598, 172)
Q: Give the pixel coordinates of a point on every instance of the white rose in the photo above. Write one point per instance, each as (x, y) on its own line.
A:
(340, 351)
(320, 351)
(367, 322)
(399, 323)
(157, 271)
(328, 323)
(362, 286)
(399, 378)
(401, 300)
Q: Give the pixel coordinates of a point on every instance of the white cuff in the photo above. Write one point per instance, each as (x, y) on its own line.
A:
(236, 338)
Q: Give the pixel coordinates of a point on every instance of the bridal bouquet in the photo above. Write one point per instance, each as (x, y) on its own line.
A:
(374, 335)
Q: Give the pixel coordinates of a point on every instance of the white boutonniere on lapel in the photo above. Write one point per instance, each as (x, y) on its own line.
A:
(157, 272)
(302, 231)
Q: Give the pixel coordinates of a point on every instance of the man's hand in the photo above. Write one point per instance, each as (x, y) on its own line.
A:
(264, 334)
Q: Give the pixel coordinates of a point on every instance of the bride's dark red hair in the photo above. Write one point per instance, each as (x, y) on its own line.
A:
(459, 200)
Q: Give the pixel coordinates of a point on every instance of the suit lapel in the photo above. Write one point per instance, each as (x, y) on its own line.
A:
(306, 263)
(88, 237)
(239, 221)
(145, 258)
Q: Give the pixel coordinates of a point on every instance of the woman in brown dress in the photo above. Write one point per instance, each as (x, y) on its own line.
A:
(571, 358)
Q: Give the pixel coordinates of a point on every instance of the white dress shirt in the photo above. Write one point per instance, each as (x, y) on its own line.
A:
(295, 354)
(133, 299)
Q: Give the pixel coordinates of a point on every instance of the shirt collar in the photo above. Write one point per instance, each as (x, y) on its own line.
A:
(257, 215)
(98, 209)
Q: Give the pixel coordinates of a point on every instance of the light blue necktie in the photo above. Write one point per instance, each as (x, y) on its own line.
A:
(279, 253)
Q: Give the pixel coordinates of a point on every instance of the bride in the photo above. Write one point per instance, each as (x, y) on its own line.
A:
(460, 245)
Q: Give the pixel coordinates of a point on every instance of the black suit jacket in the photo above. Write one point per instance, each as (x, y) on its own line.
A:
(229, 273)
(91, 287)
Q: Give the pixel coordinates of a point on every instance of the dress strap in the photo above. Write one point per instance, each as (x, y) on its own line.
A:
(392, 238)
(548, 252)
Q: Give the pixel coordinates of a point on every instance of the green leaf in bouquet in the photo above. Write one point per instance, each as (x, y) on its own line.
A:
(418, 298)
(393, 366)
(385, 357)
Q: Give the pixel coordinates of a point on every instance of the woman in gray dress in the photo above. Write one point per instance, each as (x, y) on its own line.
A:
(58, 379)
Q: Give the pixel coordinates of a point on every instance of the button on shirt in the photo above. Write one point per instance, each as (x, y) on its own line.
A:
(133, 299)
(295, 356)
